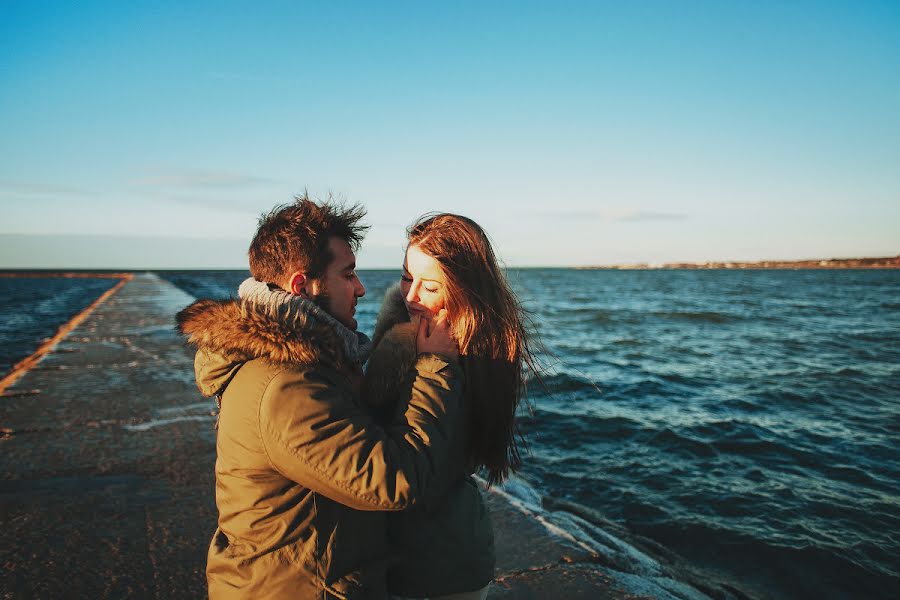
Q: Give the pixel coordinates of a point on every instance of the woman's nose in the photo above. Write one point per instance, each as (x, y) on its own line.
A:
(413, 294)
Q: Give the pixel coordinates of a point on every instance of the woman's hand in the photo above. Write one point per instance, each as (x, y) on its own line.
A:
(434, 336)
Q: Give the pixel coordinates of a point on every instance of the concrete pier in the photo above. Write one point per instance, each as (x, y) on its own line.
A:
(106, 471)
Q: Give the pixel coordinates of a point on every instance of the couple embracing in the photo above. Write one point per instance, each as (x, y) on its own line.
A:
(337, 482)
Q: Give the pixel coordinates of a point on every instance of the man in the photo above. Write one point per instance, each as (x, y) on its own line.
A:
(301, 469)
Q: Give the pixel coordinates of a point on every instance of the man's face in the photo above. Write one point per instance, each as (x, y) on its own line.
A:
(338, 289)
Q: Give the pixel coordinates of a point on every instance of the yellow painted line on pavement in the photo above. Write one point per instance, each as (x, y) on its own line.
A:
(24, 365)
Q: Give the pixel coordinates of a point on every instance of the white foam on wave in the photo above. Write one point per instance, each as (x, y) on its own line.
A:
(518, 489)
(523, 497)
(646, 576)
(607, 544)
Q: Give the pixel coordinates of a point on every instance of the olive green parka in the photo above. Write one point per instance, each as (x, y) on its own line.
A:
(445, 544)
(304, 476)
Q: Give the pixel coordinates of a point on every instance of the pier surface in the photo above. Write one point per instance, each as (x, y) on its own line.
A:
(106, 472)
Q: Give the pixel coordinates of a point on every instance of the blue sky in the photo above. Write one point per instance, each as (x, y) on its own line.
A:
(576, 133)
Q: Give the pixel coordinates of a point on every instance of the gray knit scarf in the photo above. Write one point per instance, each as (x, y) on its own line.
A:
(356, 345)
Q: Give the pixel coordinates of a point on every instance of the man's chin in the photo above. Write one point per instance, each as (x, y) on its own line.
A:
(324, 302)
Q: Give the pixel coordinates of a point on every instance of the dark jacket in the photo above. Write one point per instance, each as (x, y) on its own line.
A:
(446, 543)
(301, 469)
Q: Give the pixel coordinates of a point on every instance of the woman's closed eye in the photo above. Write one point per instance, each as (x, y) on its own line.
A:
(428, 287)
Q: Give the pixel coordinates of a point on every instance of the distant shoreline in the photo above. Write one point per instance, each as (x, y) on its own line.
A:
(74, 274)
(887, 262)
(890, 262)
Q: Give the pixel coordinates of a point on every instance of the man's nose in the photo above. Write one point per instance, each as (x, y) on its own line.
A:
(360, 289)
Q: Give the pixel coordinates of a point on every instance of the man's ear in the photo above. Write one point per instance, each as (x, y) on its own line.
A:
(297, 285)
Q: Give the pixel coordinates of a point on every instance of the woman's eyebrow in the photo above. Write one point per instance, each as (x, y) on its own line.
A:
(406, 272)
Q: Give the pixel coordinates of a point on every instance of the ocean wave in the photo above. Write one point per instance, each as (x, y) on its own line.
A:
(641, 390)
(702, 316)
(597, 316)
(561, 383)
(571, 426)
(802, 579)
(32, 310)
(673, 442)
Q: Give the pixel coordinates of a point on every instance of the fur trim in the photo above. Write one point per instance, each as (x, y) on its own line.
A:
(276, 301)
(393, 311)
(388, 374)
(388, 378)
(244, 331)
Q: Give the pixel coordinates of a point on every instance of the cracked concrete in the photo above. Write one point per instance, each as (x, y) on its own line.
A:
(89, 508)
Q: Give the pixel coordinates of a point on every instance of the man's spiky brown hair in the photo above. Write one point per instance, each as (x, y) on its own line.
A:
(294, 237)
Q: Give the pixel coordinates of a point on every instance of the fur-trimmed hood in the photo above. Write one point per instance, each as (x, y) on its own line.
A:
(393, 311)
(246, 330)
(228, 333)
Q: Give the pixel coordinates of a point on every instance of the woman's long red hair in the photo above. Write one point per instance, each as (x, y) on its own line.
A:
(488, 323)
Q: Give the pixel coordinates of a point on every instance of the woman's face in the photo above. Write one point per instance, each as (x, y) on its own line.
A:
(422, 283)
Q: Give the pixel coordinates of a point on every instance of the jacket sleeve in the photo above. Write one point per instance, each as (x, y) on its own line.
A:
(315, 434)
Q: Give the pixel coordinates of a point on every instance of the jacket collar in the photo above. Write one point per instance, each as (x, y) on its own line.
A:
(244, 330)
(355, 345)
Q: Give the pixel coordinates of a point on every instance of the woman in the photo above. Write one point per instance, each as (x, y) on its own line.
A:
(445, 544)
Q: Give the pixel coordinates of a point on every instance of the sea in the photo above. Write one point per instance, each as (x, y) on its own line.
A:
(737, 430)
(33, 308)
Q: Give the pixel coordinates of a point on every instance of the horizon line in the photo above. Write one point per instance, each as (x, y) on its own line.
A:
(892, 260)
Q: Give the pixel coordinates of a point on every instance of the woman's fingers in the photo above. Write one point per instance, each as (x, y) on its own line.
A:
(423, 327)
(437, 338)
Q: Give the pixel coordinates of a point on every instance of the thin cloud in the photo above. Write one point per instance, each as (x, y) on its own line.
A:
(614, 215)
(202, 179)
(241, 204)
(10, 189)
(646, 216)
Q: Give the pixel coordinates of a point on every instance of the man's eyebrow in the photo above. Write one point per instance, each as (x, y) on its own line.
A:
(350, 266)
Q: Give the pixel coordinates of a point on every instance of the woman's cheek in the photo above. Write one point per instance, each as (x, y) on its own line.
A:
(435, 306)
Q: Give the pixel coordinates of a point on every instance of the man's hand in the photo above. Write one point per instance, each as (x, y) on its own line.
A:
(434, 336)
